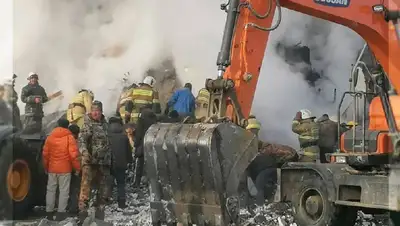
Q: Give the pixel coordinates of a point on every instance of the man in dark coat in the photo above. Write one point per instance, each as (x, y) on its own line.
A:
(328, 136)
(121, 156)
(34, 96)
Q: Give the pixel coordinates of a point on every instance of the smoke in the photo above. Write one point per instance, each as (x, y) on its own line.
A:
(91, 44)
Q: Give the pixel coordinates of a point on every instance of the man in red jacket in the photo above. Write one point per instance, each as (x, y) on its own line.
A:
(60, 154)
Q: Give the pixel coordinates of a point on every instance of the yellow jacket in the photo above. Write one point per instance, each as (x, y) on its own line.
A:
(124, 98)
(79, 106)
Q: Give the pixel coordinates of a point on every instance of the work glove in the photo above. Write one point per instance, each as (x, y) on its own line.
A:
(77, 173)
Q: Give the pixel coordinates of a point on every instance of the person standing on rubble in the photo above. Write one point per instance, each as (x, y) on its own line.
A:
(304, 125)
(34, 96)
(75, 178)
(60, 155)
(328, 136)
(124, 98)
(94, 146)
(121, 156)
(79, 106)
(202, 102)
(146, 118)
(143, 96)
(182, 101)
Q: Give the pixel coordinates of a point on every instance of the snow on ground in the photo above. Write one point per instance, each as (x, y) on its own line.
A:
(276, 214)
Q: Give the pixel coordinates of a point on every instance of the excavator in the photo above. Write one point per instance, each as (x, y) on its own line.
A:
(194, 170)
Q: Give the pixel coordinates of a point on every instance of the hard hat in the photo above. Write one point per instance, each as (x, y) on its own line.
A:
(305, 114)
(33, 75)
(351, 123)
(149, 80)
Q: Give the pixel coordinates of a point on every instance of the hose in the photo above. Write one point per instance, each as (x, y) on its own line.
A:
(253, 11)
(276, 25)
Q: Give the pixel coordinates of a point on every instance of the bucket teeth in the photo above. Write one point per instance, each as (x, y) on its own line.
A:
(194, 168)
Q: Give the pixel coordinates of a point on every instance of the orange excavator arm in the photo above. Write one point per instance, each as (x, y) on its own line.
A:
(246, 36)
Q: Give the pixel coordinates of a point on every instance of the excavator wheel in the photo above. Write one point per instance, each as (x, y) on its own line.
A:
(17, 171)
(313, 208)
(194, 171)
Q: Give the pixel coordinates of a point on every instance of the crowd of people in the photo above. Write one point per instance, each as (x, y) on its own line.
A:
(87, 148)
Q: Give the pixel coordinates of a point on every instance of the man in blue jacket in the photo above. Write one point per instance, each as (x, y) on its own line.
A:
(182, 101)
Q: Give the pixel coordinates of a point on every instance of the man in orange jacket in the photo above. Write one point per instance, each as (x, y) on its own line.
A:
(60, 154)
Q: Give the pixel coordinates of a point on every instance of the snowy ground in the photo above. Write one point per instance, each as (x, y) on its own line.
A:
(279, 214)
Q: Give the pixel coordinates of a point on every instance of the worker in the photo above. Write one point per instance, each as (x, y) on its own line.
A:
(11, 98)
(304, 125)
(328, 136)
(5, 108)
(34, 96)
(182, 101)
(124, 98)
(75, 178)
(60, 157)
(253, 125)
(143, 96)
(202, 102)
(121, 155)
(146, 118)
(172, 117)
(94, 146)
(79, 106)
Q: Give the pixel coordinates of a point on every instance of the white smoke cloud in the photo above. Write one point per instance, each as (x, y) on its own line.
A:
(63, 40)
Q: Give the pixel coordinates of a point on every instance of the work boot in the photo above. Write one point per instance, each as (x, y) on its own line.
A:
(50, 215)
(122, 204)
(99, 214)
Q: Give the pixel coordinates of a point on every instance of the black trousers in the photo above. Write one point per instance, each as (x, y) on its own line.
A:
(74, 193)
(119, 175)
(266, 185)
(139, 171)
(32, 124)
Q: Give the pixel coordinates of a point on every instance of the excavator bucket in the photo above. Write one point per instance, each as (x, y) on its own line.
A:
(194, 171)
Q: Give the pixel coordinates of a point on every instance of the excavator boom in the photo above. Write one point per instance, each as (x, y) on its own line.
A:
(194, 169)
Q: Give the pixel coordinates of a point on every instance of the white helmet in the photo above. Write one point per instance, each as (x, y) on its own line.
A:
(149, 80)
(306, 114)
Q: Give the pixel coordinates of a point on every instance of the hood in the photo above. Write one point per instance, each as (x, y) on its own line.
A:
(115, 128)
(60, 132)
(323, 118)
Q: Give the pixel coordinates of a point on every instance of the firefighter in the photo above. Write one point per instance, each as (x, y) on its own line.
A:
(147, 117)
(143, 96)
(304, 125)
(124, 98)
(202, 102)
(34, 96)
(328, 136)
(11, 98)
(79, 106)
(253, 125)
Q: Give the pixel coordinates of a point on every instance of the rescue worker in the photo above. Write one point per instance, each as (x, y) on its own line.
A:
(121, 156)
(202, 102)
(11, 98)
(5, 109)
(79, 106)
(328, 136)
(124, 98)
(182, 101)
(303, 124)
(34, 96)
(253, 125)
(75, 178)
(143, 96)
(146, 118)
(94, 146)
(60, 156)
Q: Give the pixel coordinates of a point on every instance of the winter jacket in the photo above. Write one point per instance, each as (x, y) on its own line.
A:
(183, 102)
(60, 152)
(120, 146)
(28, 95)
(79, 106)
(328, 132)
(147, 118)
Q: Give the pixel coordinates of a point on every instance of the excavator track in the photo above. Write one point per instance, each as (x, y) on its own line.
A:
(194, 171)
